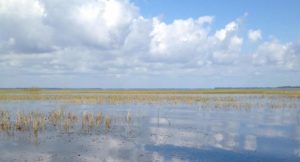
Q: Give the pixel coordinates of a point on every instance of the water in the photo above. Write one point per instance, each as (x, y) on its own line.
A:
(162, 132)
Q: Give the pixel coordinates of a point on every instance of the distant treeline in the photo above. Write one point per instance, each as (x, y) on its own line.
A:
(281, 87)
(34, 89)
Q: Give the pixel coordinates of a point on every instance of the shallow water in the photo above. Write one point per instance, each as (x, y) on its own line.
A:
(161, 132)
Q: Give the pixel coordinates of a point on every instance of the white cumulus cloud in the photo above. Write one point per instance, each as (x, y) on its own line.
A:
(254, 35)
(275, 53)
(106, 39)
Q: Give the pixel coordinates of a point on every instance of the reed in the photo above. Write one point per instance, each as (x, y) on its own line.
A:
(217, 101)
(5, 123)
(22, 121)
(84, 120)
(56, 116)
(91, 121)
(35, 122)
(99, 119)
(128, 117)
(88, 121)
(107, 122)
(69, 120)
(38, 120)
(67, 124)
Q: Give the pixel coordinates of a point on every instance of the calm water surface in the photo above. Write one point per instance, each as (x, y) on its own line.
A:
(161, 132)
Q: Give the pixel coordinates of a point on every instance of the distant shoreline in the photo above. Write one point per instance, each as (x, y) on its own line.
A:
(277, 90)
(163, 89)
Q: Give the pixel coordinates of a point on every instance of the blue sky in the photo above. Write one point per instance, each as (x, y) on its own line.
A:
(275, 17)
(149, 43)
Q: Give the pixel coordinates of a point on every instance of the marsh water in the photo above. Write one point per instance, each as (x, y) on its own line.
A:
(160, 132)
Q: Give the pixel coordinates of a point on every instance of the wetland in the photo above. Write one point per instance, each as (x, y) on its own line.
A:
(149, 125)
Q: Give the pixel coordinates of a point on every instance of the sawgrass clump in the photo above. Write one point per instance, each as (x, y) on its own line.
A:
(99, 119)
(70, 118)
(38, 121)
(107, 122)
(5, 123)
(23, 121)
(56, 116)
(88, 121)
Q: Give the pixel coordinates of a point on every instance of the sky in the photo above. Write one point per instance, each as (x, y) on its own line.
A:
(149, 43)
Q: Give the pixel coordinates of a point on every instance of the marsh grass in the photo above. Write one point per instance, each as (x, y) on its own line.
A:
(91, 121)
(63, 121)
(99, 119)
(220, 101)
(107, 122)
(128, 117)
(60, 119)
(38, 121)
(23, 121)
(56, 116)
(33, 90)
(5, 123)
(88, 121)
(67, 125)
(70, 119)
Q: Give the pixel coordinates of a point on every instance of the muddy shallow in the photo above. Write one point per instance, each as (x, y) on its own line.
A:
(160, 132)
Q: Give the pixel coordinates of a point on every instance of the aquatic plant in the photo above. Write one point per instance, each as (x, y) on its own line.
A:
(67, 124)
(72, 117)
(84, 120)
(219, 99)
(91, 121)
(38, 120)
(22, 121)
(128, 117)
(5, 123)
(88, 121)
(99, 119)
(107, 122)
(56, 116)
(35, 122)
